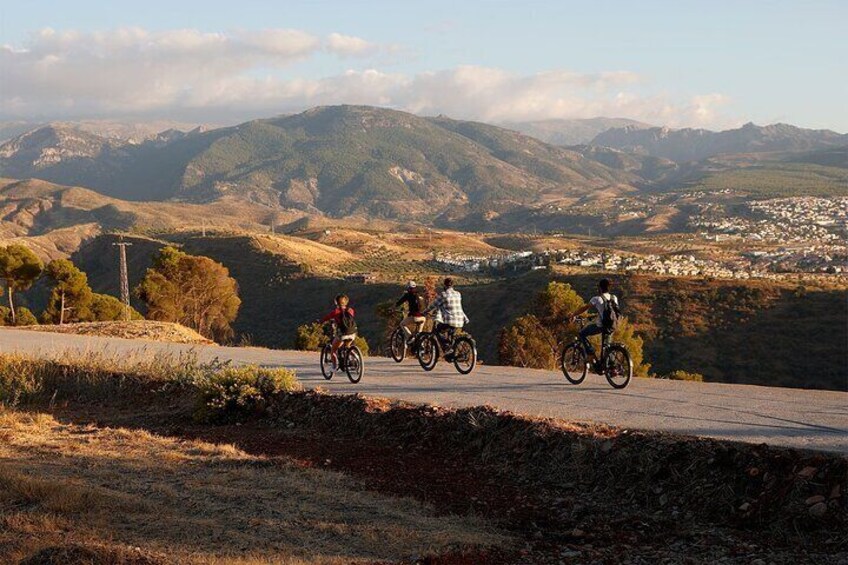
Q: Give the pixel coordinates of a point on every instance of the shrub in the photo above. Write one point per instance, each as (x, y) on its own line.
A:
(234, 392)
(106, 308)
(25, 317)
(310, 337)
(527, 343)
(684, 376)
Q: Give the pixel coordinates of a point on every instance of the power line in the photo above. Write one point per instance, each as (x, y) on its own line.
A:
(125, 281)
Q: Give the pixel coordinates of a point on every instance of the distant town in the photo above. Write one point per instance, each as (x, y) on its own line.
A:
(784, 236)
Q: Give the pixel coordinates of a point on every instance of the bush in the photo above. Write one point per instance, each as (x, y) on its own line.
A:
(527, 343)
(310, 337)
(25, 317)
(684, 376)
(106, 308)
(234, 392)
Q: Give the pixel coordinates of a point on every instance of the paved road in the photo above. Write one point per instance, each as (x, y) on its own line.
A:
(779, 416)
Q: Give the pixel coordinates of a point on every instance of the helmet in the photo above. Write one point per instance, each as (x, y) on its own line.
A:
(410, 285)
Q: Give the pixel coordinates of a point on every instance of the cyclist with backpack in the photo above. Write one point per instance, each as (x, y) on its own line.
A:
(415, 302)
(343, 316)
(609, 313)
(449, 316)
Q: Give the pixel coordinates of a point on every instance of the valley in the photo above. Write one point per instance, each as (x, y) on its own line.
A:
(714, 258)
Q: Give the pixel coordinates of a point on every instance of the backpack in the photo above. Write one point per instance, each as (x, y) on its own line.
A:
(348, 324)
(610, 315)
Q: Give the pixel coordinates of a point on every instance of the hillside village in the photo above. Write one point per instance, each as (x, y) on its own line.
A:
(782, 236)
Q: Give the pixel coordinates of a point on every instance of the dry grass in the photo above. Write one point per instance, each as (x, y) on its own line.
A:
(83, 494)
(136, 329)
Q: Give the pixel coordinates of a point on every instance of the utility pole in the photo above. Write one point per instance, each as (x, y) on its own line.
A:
(125, 281)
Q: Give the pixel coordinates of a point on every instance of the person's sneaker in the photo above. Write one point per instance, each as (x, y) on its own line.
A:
(449, 356)
(335, 366)
(598, 367)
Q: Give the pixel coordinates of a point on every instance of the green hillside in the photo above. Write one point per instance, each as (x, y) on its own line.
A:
(339, 160)
(778, 179)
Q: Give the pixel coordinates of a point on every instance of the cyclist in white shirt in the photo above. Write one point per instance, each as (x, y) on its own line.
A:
(599, 302)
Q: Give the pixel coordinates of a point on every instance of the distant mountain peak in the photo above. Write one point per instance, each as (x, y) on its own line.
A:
(690, 144)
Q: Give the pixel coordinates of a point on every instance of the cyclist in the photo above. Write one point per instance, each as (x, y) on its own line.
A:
(449, 316)
(415, 318)
(344, 319)
(603, 302)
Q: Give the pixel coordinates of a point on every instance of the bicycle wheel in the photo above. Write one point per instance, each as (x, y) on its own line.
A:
(397, 345)
(618, 367)
(327, 361)
(573, 364)
(464, 355)
(354, 367)
(428, 352)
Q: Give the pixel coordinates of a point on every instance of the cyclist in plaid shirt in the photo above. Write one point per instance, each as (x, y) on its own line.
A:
(449, 316)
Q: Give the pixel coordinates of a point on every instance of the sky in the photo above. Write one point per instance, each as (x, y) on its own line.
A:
(711, 64)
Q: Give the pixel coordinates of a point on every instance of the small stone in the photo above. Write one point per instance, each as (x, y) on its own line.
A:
(663, 500)
(836, 491)
(814, 500)
(758, 562)
(753, 472)
(807, 472)
(577, 533)
(744, 507)
(818, 510)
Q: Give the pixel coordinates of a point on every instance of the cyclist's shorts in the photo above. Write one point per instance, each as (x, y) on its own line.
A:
(349, 337)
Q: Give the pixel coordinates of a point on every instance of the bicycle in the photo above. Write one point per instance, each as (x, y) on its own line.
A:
(429, 348)
(349, 358)
(399, 344)
(615, 363)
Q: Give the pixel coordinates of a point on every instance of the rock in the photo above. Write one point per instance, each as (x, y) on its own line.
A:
(758, 562)
(744, 507)
(836, 492)
(818, 510)
(807, 472)
(814, 500)
(577, 533)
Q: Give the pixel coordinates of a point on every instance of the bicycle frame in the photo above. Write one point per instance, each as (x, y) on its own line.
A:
(605, 341)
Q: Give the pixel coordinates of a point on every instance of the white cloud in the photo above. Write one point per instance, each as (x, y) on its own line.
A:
(349, 45)
(132, 70)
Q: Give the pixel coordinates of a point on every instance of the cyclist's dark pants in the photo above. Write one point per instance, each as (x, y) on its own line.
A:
(590, 330)
(445, 333)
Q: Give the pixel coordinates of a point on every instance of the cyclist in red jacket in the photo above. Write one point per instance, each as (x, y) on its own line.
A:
(343, 318)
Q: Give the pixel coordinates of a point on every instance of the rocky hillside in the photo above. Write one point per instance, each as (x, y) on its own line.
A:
(696, 144)
(338, 160)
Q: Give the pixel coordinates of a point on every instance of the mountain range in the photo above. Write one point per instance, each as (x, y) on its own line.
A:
(571, 132)
(376, 163)
(336, 160)
(681, 145)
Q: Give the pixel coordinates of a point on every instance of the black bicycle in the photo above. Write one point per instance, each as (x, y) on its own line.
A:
(615, 363)
(400, 344)
(463, 350)
(349, 357)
